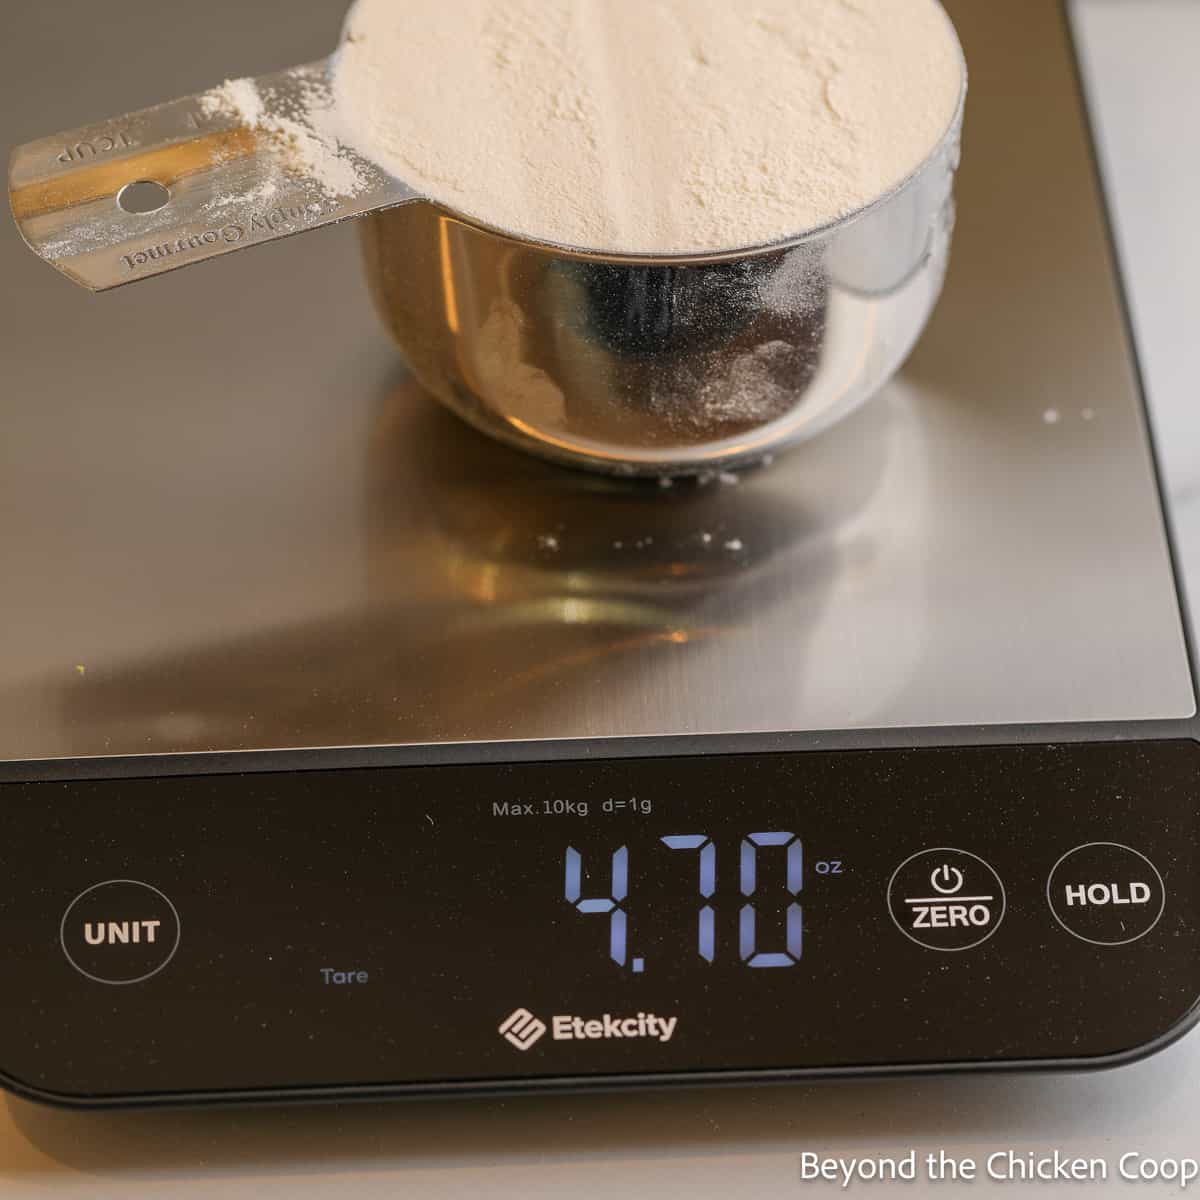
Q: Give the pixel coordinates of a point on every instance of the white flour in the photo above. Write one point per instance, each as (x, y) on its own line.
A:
(303, 123)
(240, 95)
(650, 125)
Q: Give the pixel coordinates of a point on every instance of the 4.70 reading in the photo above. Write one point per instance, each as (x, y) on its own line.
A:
(763, 922)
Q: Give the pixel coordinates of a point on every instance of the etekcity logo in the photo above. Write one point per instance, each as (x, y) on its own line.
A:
(522, 1029)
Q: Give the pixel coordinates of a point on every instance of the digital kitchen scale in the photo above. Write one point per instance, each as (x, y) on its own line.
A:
(348, 754)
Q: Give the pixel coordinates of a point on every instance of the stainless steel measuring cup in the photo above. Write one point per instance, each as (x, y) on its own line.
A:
(629, 364)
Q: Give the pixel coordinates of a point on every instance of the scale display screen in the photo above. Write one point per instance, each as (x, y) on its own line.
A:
(560, 923)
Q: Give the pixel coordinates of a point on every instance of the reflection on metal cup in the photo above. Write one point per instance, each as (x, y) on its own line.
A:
(636, 365)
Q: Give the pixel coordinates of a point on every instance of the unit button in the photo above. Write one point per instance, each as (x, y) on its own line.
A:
(120, 931)
(1106, 894)
(946, 899)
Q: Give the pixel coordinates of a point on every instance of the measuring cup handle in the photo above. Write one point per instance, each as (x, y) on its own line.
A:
(143, 194)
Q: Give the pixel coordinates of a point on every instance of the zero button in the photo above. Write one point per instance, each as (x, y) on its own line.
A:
(946, 899)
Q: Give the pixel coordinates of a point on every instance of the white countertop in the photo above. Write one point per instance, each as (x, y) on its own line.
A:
(1142, 67)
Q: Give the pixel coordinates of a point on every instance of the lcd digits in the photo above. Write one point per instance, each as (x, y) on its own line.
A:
(614, 905)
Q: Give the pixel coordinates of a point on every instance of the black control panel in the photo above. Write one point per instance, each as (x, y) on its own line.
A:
(637, 920)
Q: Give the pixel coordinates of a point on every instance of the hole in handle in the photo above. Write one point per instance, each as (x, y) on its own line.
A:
(143, 196)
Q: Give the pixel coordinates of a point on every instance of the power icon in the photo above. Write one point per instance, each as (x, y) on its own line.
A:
(946, 880)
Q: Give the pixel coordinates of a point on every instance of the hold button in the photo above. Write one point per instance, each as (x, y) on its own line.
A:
(120, 932)
(1106, 894)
